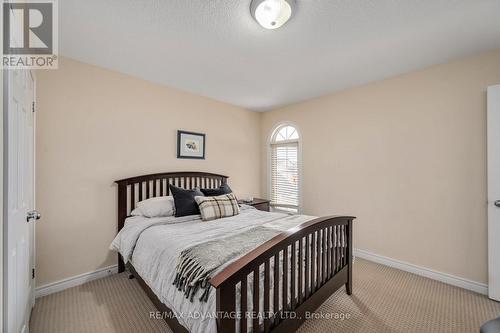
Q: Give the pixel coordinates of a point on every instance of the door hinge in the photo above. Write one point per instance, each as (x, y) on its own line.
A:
(32, 273)
(33, 107)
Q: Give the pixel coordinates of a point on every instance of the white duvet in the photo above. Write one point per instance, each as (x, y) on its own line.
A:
(152, 245)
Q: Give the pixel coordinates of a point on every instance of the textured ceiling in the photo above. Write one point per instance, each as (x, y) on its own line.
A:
(214, 48)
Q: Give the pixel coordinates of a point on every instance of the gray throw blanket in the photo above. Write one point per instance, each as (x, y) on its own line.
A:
(197, 264)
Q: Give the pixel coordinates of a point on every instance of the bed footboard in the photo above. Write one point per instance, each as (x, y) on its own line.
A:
(300, 269)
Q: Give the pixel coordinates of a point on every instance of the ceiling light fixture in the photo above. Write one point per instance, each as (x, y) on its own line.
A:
(272, 14)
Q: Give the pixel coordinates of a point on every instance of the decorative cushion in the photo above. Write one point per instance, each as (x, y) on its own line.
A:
(212, 208)
(212, 192)
(184, 201)
(155, 207)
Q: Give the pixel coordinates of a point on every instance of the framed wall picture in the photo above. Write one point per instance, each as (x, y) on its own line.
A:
(190, 145)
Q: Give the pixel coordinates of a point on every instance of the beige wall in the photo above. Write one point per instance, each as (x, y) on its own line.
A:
(95, 126)
(407, 156)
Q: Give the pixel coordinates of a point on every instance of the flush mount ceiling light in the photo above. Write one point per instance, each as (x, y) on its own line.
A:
(272, 14)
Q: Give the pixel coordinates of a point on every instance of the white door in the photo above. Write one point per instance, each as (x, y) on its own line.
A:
(19, 259)
(494, 192)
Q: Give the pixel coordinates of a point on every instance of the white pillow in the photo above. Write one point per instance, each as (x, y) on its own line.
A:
(155, 207)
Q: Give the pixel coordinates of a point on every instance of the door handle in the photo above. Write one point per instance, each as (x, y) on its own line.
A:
(497, 203)
(33, 215)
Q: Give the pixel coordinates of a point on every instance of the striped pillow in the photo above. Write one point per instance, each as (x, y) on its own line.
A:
(212, 208)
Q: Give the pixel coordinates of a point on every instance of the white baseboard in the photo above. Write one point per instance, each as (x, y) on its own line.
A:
(456, 281)
(75, 281)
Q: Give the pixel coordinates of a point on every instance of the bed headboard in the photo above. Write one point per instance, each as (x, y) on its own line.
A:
(134, 189)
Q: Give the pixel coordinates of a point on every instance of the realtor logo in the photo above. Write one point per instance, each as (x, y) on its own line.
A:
(30, 34)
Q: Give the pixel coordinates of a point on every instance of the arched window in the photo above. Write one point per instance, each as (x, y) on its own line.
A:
(285, 168)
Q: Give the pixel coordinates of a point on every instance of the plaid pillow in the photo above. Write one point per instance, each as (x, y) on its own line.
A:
(212, 208)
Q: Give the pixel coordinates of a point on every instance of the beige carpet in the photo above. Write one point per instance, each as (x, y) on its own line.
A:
(384, 300)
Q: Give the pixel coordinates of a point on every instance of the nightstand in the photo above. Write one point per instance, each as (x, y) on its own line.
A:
(260, 204)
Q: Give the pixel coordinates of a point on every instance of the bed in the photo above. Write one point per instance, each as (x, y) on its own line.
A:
(268, 289)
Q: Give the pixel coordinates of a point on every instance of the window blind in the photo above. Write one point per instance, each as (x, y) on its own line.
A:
(285, 175)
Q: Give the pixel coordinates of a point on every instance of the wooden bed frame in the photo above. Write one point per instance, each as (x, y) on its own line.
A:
(326, 264)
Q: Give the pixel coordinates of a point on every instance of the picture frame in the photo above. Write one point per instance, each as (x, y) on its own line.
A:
(191, 145)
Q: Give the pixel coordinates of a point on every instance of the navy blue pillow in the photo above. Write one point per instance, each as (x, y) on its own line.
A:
(184, 201)
(213, 192)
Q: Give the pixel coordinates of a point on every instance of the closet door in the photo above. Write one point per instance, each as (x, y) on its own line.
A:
(493, 125)
(20, 199)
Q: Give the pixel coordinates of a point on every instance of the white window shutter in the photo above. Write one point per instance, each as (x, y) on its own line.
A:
(285, 175)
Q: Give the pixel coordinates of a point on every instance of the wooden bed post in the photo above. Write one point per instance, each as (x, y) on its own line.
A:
(348, 285)
(122, 214)
(226, 308)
